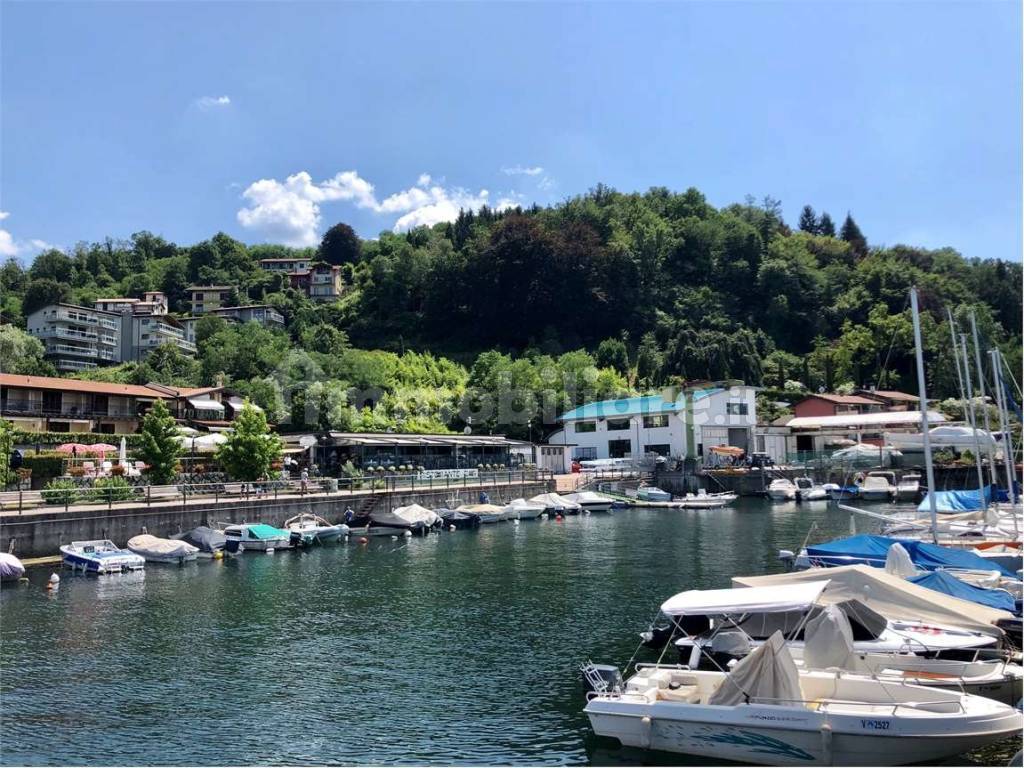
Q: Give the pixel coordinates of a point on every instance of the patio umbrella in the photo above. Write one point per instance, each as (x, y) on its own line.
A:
(72, 448)
(101, 449)
(122, 453)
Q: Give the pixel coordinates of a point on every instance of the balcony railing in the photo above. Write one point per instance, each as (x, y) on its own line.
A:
(36, 408)
(67, 349)
(77, 317)
(74, 365)
(57, 331)
(111, 340)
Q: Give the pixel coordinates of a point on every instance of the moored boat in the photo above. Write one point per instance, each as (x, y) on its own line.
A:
(255, 537)
(157, 550)
(486, 513)
(590, 501)
(555, 504)
(451, 518)
(650, 493)
(909, 487)
(808, 490)
(100, 556)
(412, 518)
(521, 509)
(207, 541)
(781, 489)
(877, 486)
(318, 528)
(11, 568)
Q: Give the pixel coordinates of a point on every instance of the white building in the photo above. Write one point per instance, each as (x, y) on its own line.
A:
(688, 426)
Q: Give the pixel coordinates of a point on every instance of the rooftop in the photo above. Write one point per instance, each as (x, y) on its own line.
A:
(889, 394)
(843, 399)
(856, 420)
(74, 385)
(289, 258)
(209, 287)
(632, 406)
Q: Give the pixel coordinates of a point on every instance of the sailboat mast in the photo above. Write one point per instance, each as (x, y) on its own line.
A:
(956, 352)
(990, 448)
(973, 417)
(922, 396)
(1004, 426)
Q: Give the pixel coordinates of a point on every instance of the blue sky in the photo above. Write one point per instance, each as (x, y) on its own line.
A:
(273, 121)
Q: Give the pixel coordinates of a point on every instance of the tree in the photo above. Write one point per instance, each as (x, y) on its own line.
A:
(6, 449)
(324, 339)
(808, 220)
(826, 226)
(43, 292)
(340, 245)
(611, 353)
(851, 233)
(169, 365)
(22, 354)
(648, 362)
(161, 447)
(52, 264)
(251, 448)
(208, 325)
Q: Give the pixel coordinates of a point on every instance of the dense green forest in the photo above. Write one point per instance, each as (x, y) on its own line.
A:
(499, 314)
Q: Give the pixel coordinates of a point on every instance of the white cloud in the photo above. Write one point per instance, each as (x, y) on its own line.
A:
(518, 170)
(546, 184)
(10, 247)
(289, 212)
(213, 102)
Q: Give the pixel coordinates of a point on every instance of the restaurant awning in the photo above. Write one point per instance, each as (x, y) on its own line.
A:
(205, 404)
(237, 403)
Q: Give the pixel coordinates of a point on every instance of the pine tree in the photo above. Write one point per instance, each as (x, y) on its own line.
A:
(161, 447)
(808, 220)
(251, 448)
(826, 226)
(851, 233)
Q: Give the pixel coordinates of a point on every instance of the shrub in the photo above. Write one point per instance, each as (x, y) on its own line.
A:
(63, 492)
(111, 489)
(44, 465)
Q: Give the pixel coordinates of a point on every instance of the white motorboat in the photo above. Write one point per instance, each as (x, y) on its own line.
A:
(100, 556)
(317, 527)
(255, 537)
(412, 518)
(521, 509)
(704, 500)
(808, 490)
(590, 501)
(555, 504)
(961, 438)
(781, 489)
(766, 711)
(157, 550)
(652, 494)
(908, 488)
(877, 486)
(11, 568)
(488, 513)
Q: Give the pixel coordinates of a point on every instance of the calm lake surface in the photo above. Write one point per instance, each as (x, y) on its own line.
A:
(456, 648)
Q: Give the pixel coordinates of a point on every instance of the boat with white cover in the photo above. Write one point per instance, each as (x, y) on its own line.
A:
(316, 526)
(11, 568)
(877, 486)
(521, 509)
(487, 513)
(412, 518)
(157, 550)
(100, 556)
(781, 489)
(768, 712)
(909, 487)
(650, 493)
(808, 490)
(590, 501)
(555, 504)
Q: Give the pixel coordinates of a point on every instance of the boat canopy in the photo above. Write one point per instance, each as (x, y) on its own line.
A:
(874, 550)
(956, 501)
(890, 596)
(947, 583)
(715, 602)
(412, 515)
(263, 531)
(768, 675)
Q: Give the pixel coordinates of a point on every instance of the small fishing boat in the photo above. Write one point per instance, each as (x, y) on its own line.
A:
(781, 489)
(908, 488)
(318, 528)
(209, 542)
(157, 550)
(838, 492)
(521, 509)
(704, 500)
(555, 504)
(11, 568)
(451, 518)
(590, 501)
(650, 493)
(767, 711)
(256, 537)
(100, 556)
(877, 486)
(808, 490)
(486, 513)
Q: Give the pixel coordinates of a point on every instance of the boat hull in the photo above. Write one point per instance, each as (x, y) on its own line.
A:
(781, 495)
(101, 565)
(525, 513)
(774, 735)
(872, 494)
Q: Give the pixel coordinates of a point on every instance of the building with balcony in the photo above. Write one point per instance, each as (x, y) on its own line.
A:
(151, 303)
(321, 282)
(142, 334)
(835, 405)
(77, 338)
(264, 314)
(891, 400)
(203, 298)
(286, 265)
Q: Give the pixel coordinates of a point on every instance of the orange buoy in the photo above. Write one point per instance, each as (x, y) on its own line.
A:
(363, 540)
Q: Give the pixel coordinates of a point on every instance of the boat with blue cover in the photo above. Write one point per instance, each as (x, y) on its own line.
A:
(100, 556)
(873, 550)
(258, 537)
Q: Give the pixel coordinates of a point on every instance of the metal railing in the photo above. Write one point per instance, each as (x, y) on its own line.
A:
(180, 493)
(35, 408)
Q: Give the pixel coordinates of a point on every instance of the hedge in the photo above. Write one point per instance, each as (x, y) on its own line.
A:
(44, 465)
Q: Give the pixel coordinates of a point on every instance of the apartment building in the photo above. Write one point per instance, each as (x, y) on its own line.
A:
(77, 338)
(151, 303)
(264, 314)
(140, 335)
(207, 297)
(321, 282)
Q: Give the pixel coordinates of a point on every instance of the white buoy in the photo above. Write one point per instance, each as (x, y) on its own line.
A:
(394, 538)
(54, 578)
(407, 534)
(270, 550)
(516, 521)
(451, 527)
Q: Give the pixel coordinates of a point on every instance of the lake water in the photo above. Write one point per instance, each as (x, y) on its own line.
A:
(456, 648)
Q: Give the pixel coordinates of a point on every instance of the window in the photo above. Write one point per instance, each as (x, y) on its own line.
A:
(584, 453)
(662, 449)
(585, 426)
(736, 409)
(617, 425)
(653, 422)
(619, 449)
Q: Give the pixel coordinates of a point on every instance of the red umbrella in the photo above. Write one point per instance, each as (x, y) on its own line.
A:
(73, 448)
(101, 448)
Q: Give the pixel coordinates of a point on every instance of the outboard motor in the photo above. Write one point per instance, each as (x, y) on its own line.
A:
(601, 678)
(232, 545)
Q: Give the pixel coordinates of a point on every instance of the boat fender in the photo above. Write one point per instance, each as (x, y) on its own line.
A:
(543, 515)
(23, 580)
(451, 527)
(394, 538)
(363, 540)
(516, 521)
(558, 517)
(645, 721)
(826, 744)
(407, 534)
(218, 554)
(54, 581)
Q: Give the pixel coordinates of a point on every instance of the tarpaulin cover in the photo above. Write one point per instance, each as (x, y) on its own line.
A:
(945, 582)
(206, 539)
(957, 501)
(715, 602)
(11, 568)
(828, 640)
(767, 674)
(873, 550)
